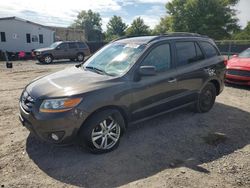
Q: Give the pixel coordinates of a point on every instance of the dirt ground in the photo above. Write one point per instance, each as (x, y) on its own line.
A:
(180, 149)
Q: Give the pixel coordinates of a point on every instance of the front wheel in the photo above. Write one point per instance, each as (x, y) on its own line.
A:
(48, 59)
(102, 132)
(206, 99)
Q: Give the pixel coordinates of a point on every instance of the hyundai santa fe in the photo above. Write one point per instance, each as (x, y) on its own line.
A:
(127, 81)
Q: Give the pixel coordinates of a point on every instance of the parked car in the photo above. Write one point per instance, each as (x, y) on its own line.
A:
(238, 68)
(127, 81)
(63, 50)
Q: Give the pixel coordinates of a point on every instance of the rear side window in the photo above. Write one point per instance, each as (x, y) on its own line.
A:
(81, 45)
(72, 45)
(160, 57)
(209, 49)
(188, 52)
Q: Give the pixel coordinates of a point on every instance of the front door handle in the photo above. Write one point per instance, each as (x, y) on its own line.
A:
(172, 80)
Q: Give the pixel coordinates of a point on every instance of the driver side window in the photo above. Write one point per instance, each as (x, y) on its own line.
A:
(160, 57)
(63, 46)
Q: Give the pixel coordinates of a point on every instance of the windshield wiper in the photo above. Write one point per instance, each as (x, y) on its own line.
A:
(99, 71)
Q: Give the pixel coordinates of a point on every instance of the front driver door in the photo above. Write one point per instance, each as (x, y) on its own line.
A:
(61, 51)
(155, 94)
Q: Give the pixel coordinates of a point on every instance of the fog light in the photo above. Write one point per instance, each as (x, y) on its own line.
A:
(54, 137)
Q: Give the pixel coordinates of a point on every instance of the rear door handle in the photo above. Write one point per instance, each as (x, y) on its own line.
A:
(172, 80)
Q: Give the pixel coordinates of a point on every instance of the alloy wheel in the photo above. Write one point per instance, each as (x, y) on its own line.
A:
(47, 59)
(106, 134)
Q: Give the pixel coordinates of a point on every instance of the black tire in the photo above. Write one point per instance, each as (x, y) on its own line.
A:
(206, 99)
(47, 59)
(80, 57)
(93, 126)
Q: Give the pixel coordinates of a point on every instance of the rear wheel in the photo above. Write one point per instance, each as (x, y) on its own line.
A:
(80, 57)
(206, 99)
(102, 132)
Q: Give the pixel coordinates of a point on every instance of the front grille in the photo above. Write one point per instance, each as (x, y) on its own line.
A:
(238, 72)
(27, 101)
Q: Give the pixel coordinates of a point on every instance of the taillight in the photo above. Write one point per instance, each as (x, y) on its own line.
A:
(225, 61)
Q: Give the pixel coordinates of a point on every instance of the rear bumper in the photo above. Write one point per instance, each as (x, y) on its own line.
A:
(236, 79)
(64, 125)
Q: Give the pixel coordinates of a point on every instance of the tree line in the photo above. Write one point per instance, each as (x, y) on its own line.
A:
(214, 18)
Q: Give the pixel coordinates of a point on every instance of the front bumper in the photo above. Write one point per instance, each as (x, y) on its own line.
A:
(236, 79)
(64, 125)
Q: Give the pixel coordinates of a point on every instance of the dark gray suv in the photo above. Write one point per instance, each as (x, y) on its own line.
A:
(127, 81)
(63, 50)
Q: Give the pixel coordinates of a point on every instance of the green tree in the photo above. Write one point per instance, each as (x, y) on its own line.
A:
(215, 18)
(163, 27)
(244, 34)
(138, 27)
(116, 27)
(90, 22)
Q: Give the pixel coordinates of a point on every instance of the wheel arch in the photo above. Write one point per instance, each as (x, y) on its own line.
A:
(215, 82)
(217, 85)
(50, 54)
(122, 111)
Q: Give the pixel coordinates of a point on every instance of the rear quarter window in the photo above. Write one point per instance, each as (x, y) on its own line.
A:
(72, 45)
(209, 49)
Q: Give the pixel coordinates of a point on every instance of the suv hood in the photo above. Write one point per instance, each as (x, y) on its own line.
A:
(70, 81)
(43, 49)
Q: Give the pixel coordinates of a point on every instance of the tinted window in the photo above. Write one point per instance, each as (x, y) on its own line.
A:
(3, 37)
(186, 52)
(72, 45)
(198, 52)
(209, 49)
(28, 40)
(40, 38)
(160, 57)
(63, 46)
(81, 45)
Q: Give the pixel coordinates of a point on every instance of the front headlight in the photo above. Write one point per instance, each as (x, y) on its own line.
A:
(38, 53)
(59, 105)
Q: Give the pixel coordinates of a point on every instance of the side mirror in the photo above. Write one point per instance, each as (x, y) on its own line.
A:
(147, 70)
(58, 48)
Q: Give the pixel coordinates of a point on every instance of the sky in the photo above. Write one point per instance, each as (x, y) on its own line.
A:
(63, 13)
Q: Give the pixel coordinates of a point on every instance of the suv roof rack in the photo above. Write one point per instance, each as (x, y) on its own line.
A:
(129, 36)
(177, 34)
(170, 34)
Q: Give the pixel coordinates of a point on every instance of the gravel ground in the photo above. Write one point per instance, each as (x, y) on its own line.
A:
(180, 149)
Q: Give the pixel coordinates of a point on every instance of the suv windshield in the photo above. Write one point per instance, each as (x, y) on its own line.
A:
(245, 54)
(114, 59)
(55, 44)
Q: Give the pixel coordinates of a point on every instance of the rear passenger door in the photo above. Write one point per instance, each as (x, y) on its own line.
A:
(73, 49)
(190, 69)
